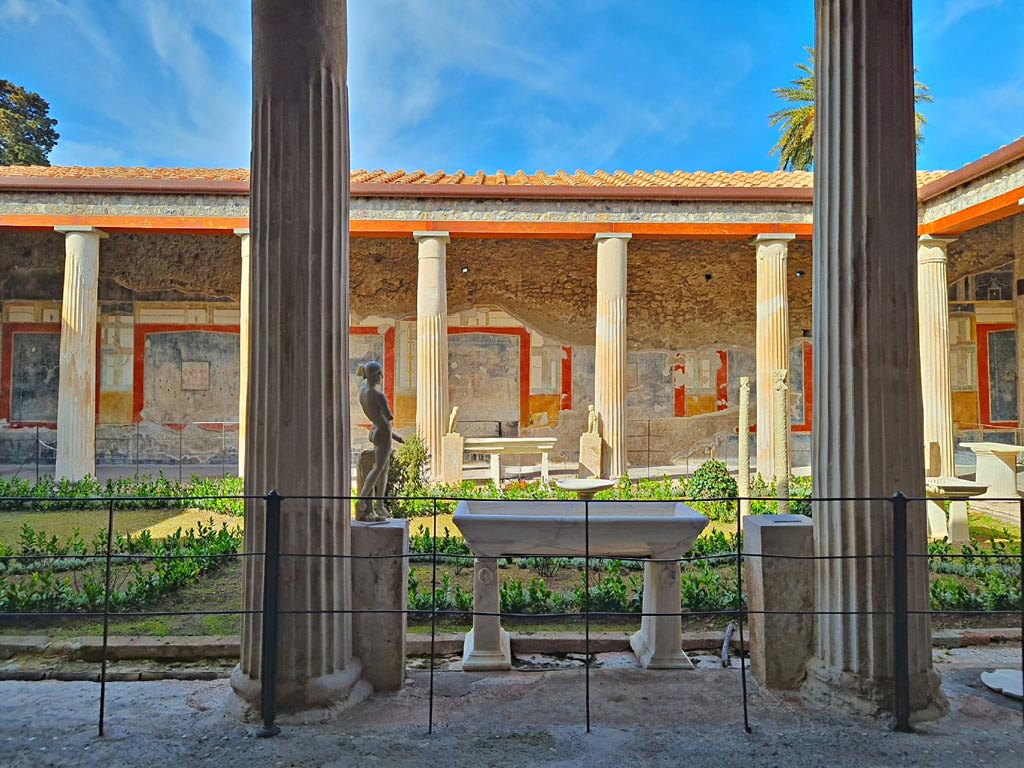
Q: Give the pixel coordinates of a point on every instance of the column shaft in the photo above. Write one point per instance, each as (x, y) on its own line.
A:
(76, 393)
(432, 345)
(243, 349)
(772, 336)
(610, 351)
(297, 393)
(868, 423)
(933, 319)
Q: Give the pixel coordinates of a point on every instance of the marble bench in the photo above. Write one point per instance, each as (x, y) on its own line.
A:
(660, 530)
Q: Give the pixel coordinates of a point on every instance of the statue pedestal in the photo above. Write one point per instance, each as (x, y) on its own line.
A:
(590, 455)
(452, 446)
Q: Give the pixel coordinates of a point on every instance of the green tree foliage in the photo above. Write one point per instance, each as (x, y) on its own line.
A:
(27, 132)
(796, 121)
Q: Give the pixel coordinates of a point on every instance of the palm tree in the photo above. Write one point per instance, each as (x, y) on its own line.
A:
(796, 123)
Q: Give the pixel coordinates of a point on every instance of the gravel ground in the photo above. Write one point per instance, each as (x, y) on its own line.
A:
(531, 716)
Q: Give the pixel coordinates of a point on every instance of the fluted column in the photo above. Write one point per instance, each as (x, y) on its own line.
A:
(297, 441)
(432, 345)
(868, 425)
(933, 322)
(772, 335)
(610, 351)
(243, 349)
(76, 392)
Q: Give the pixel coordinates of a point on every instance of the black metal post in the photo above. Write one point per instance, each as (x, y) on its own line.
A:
(37, 455)
(739, 612)
(900, 619)
(433, 615)
(106, 615)
(586, 602)
(181, 438)
(268, 647)
(136, 451)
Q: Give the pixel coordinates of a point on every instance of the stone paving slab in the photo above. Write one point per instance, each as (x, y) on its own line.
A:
(518, 718)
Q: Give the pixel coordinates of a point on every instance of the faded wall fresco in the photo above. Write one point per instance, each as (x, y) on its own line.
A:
(35, 373)
(483, 376)
(191, 376)
(1002, 376)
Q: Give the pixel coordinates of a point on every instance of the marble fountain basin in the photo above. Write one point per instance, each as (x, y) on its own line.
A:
(623, 528)
(659, 530)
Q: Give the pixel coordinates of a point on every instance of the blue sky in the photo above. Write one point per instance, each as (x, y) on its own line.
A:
(509, 84)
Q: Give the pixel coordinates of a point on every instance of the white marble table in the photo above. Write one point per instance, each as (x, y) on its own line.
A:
(660, 530)
(496, 447)
(957, 491)
(997, 468)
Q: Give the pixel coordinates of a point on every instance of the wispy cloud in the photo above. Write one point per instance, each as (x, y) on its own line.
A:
(955, 10)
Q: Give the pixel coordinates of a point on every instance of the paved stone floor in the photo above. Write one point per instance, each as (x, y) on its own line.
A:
(527, 717)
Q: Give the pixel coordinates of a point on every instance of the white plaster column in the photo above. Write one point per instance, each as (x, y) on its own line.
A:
(76, 392)
(772, 341)
(432, 345)
(298, 437)
(933, 331)
(868, 422)
(243, 349)
(610, 351)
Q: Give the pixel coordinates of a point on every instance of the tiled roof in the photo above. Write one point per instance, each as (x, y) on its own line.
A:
(91, 172)
(560, 178)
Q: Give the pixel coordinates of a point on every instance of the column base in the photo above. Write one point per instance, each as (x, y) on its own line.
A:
(487, 659)
(316, 699)
(872, 697)
(650, 657)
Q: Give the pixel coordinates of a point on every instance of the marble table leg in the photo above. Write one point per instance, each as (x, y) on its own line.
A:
(496, 468)
(544, 466)
(487, 647)
(937, 519)
(659, 643)
(959, 532)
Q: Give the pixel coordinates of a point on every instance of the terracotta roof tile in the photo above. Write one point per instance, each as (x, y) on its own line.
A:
(599, 178)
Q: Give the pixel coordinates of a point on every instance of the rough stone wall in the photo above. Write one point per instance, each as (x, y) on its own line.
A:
(549, 285)
(124, 204)
(982, 249)
(142, 267)
(1000, 181)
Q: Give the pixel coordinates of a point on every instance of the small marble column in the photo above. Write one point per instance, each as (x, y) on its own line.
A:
(868, 435)
(772, 341)
(933, 332)
(610, 351)
(432, 345)
(243, 350)
(76, 392)
(743, 447)
(1018, 312)
(298, 437)
(781, 446)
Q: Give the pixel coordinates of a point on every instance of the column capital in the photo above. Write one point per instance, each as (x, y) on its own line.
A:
(440, 235)
(66, 229)
(242, 231)
(599, 236)
(932, 249)
(773, 237)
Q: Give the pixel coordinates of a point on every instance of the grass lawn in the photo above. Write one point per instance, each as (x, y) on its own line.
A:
(160, 522)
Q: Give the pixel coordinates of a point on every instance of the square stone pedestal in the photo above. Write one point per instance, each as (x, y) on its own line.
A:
(780, 643)
(452, 447)
(380, 583)
(590, 455)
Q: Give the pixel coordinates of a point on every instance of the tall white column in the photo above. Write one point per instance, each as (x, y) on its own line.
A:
(76, 393)
(610, 351)
(868, 424)
(432, 345)
(298, 389)
(243, 349)
(933, 322)
(772, 335)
